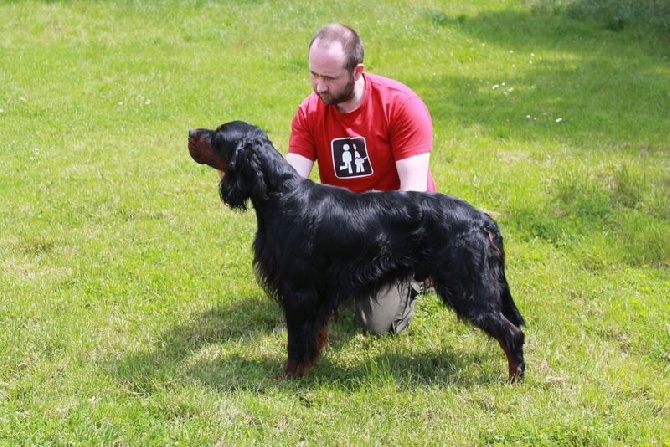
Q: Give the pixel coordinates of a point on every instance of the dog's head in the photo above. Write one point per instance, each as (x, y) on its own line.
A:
(201, 149)
(241, 151)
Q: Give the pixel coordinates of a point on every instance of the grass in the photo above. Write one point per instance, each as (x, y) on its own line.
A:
(129, 314)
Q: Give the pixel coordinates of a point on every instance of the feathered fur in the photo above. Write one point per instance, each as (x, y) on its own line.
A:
(317, 246)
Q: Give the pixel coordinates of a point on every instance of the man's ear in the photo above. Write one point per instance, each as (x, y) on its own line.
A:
(358, 71)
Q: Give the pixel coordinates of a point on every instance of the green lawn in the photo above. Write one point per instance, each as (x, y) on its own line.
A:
(129, 312)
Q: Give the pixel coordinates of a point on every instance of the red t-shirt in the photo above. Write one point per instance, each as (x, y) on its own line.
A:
(358, 150)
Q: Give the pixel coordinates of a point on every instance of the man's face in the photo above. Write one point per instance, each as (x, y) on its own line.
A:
(331, 81)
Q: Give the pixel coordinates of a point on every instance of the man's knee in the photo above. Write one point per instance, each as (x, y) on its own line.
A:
(390, 311)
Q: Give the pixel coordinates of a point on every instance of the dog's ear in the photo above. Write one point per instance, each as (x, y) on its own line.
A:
(244, 178)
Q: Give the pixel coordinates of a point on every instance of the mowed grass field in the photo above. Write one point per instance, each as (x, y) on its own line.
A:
(129, 311)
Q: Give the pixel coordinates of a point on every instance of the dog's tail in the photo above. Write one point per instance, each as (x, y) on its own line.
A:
(509, 309)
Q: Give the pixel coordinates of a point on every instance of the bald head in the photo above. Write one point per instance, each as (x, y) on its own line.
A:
(344, 37)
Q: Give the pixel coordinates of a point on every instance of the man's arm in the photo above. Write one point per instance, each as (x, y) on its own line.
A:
(301, 164)
(413, 172)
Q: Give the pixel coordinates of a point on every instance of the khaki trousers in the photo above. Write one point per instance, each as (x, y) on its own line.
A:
(389, 311)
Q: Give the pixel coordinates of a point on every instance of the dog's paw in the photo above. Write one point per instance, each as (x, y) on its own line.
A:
(295, 370)
(516, 376)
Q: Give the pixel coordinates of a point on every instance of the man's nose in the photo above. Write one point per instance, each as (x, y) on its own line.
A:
(320, 86)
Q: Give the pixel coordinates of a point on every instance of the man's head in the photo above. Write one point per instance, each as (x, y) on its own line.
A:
(335, 63)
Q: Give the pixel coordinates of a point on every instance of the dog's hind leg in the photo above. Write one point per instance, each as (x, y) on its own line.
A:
(510, 338)
(487, 315)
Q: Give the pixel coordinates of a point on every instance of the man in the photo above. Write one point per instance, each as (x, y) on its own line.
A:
(366, 132)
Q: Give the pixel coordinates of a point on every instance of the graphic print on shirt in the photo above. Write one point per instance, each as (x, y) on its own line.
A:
(350, 158)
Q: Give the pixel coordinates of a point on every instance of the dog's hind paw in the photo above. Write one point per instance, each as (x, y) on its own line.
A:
(516, 375)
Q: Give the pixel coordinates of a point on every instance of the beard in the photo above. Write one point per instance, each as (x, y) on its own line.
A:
(345, 94)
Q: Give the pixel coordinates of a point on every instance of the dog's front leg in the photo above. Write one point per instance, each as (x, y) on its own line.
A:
(307, 335)
(303, 348)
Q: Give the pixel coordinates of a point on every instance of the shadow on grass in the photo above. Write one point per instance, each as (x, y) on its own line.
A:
(233, 347)
(443, 368)
(563, 79)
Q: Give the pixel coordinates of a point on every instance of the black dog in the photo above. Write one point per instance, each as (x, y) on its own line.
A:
(318, 246)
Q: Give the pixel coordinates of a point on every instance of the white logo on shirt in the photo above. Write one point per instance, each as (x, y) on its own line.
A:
(350, 158)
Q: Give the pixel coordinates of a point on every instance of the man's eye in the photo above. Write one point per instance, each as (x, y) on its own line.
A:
(324, 78)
